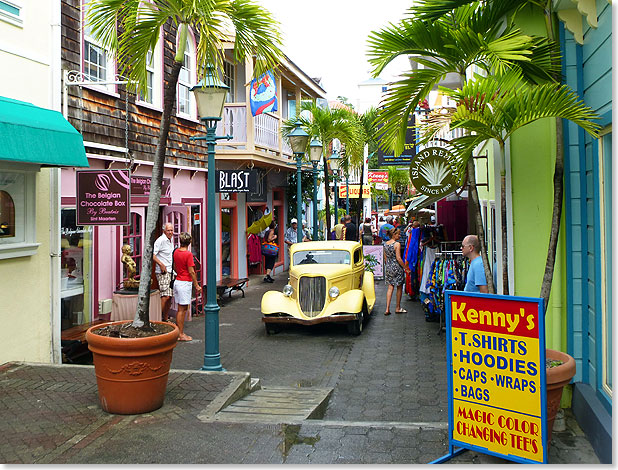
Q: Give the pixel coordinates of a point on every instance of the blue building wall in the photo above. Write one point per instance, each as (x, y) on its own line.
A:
(587, 69)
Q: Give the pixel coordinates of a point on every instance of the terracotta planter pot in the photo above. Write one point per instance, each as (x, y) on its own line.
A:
(131, 372)
(557, 378)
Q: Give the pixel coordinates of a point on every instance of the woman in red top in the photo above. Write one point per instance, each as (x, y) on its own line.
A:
(185, 279)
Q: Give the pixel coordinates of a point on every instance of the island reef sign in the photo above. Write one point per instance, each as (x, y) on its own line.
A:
(496, 370)
(433, 171)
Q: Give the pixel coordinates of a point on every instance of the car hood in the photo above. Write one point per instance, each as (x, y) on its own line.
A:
(327, 270)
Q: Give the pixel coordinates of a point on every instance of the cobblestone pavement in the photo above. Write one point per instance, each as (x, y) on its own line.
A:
(388, 405)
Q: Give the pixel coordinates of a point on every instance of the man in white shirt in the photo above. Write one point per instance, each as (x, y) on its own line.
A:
(162, 256)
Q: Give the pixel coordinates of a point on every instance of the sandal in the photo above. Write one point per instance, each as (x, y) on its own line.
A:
(387, 313)
(185, 338)
(401, 311)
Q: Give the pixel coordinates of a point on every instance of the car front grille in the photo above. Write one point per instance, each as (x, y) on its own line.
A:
(312, 295)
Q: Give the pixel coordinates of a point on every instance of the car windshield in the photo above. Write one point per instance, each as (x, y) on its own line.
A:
(321, 257)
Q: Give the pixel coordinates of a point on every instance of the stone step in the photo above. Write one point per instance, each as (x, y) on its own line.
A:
(277, 405)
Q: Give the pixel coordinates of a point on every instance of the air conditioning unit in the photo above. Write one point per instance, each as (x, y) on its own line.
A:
(105, 306)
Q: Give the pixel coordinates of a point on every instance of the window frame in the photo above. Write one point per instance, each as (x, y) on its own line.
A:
(157, 79)
(110, 61)
(229, 78)
(28, 246)
(8, 17)
(190, 52)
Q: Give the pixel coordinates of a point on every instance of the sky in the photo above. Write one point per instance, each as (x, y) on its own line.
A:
(328, 38)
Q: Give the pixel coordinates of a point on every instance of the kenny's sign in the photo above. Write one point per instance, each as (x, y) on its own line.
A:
(235, 181)
(496, 370)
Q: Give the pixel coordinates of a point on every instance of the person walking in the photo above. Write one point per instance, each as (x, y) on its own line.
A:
(269, 260)
(367, 232)
(350, 232)
(162, 257)
(475, 280)
(385, 228)
(394, 270)
(339, 229)
(185, 280)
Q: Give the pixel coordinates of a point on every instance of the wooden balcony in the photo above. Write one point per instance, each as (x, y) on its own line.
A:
(256, 139)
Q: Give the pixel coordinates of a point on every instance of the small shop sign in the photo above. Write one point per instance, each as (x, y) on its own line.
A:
(433, 172)
(409, 151)
(235, 181)
(496, 371)
(140, 186)
(103, 197)
(377, 176)
(354, 191)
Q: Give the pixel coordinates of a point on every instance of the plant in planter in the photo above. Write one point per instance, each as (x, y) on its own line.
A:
(560, 369)
(130, 30)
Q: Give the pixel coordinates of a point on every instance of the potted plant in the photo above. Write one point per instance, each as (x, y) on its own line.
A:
(142, 349)
(560, 369)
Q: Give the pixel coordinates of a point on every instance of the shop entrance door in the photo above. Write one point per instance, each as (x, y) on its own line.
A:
(177, 215)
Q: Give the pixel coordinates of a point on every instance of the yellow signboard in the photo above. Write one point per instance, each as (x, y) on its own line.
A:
(354, 191)
(496, 351)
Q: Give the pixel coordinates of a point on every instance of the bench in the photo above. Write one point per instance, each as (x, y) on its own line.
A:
(231, 284)
(78, 333)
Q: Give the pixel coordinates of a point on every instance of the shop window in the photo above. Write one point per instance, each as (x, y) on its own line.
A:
(17, 212)
(226, 242)
(7, 215)
(132, 236)
(75, 271)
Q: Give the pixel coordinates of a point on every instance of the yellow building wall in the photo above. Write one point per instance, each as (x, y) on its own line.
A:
(25, 310)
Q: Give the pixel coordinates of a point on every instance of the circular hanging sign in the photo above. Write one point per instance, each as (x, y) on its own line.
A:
(433, 171)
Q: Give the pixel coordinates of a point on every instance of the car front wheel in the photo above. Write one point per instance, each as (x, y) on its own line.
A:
(272, 329)
(355, 327)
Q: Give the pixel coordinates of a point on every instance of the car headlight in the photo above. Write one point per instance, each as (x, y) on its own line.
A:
(288, 290)
(333, 292)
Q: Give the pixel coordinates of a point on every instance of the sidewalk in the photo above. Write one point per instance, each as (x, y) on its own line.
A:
(51, 414)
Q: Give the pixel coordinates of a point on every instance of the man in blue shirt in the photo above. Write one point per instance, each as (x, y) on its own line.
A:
(476, 280)
(385, 228)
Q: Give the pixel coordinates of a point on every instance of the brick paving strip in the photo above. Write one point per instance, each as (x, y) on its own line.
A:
(50, 413)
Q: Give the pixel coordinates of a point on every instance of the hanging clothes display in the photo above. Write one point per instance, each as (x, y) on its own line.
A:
(412, 258)
(254, 251)
(444, 274)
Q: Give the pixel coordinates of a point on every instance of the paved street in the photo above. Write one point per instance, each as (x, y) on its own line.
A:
(388, 405)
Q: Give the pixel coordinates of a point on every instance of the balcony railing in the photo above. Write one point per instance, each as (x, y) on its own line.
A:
(266, 126)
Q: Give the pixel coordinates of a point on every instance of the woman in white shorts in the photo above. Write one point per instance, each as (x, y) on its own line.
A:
(185, 280)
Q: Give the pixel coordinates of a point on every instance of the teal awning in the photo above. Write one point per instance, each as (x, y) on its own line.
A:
(29, 134)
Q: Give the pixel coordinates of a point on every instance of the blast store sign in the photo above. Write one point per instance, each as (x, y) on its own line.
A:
(433, 172)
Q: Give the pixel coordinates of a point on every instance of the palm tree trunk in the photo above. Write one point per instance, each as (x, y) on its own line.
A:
(505, 253)
(555, 217)
(326, 201)
(478, 220)
(142, 315)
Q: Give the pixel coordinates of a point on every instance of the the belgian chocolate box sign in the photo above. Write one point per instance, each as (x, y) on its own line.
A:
(235, 181)
(140, 186)
(103, 197)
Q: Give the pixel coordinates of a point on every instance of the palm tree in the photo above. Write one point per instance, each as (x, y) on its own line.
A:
(494, 107)
(430, 10)
(460, 38)
(131, 28)
(326, 125)
(367, 122)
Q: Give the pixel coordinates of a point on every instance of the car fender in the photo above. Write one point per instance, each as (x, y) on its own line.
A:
(275, 302)
(369, 290)
(348, 302)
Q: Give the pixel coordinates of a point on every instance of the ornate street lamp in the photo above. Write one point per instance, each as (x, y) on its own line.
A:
(334, 162)
(298, 141)
(210, 95)
(315, 154)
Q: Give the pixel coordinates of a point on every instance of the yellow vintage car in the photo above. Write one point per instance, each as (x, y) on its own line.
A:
(327, 283)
